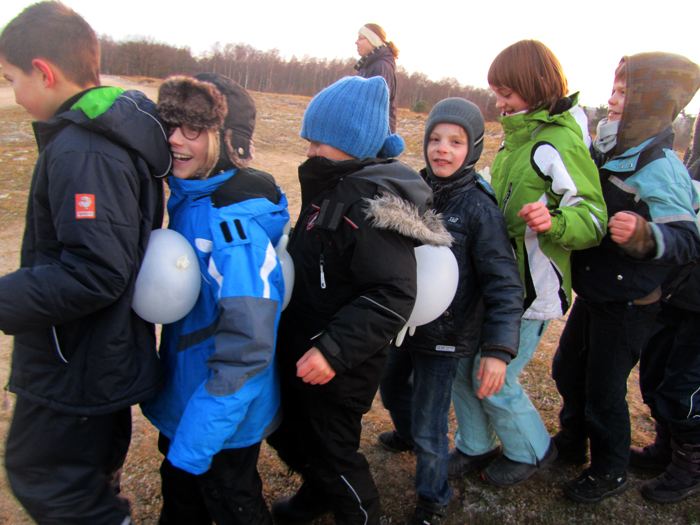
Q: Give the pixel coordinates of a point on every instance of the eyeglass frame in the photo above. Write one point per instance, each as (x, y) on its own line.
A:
(184, 129)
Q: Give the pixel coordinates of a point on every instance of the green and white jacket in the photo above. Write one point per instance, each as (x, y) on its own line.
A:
(544, 158)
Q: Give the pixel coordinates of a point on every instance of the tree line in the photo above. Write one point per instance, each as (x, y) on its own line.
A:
(268, 71)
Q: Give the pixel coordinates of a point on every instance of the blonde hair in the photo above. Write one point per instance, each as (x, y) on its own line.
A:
(379, 31)
(212, 153)
(529, 68)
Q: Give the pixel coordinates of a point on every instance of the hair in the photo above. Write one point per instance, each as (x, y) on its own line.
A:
(52, 31)
(379, 31)
(529, 68)
(621, 71)
(213, 152)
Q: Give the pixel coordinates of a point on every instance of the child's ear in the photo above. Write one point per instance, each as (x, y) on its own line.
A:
(45, 70)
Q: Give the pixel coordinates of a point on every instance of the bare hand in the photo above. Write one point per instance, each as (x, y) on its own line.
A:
(622, 226)
(313, 368)
(536, 216)
(492, 374)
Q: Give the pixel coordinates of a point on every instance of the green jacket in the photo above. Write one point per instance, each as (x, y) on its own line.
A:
(544, 158)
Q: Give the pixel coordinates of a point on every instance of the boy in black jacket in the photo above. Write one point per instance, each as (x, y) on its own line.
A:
(484, 314)
(354, 289)
(81, 355)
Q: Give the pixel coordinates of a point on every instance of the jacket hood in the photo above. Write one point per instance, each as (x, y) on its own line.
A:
(378, 53)
(523, 127)
(127, 118)
(659, 85)
(403, 206)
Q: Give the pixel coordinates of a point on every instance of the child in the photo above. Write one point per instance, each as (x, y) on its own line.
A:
(355, 286)
(669, 378)
(618, 284)
(82, 357)
(417, 381)
(222, 396)
(547, 187)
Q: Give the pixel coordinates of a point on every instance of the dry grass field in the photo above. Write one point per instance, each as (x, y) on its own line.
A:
(279, 151)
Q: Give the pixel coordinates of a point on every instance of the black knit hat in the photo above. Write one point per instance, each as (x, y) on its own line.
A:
(465, 114)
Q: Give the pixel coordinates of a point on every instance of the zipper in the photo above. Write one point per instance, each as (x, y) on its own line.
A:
(507, 197)
(323, 275)
(58, 346)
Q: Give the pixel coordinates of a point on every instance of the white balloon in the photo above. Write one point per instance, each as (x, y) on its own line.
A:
(287, 268)
(168, 283)
(438, 275)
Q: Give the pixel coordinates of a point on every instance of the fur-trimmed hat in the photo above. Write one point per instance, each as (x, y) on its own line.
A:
(214, 102)
(352, 115)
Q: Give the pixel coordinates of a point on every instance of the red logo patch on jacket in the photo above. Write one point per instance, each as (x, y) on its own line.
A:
(84, 206)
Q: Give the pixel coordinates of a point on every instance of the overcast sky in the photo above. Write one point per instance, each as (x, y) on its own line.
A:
(442, 39)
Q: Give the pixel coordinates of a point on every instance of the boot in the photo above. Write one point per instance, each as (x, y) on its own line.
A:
(656, 456)
(681, 478)
(306, 505)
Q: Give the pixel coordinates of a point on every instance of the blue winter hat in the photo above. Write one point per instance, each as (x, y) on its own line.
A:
(353, 116)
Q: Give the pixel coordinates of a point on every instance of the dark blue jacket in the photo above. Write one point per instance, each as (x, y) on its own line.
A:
(488, 304)
(94, 199)
(381, 63)
(650, 181)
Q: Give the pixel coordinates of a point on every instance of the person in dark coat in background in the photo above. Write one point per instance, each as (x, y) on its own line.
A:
(378, 60)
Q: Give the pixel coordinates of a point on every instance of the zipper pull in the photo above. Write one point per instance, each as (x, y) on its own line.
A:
(323, 276)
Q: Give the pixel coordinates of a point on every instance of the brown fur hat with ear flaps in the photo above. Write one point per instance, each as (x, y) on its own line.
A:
(217, 103)
(186, 100)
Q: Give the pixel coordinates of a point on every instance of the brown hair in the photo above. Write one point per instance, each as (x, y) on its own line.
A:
(621, 71)
(54, 32)
(529, 68)
(379, 31)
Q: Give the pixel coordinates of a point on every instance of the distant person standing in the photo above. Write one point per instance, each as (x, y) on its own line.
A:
(378, 60)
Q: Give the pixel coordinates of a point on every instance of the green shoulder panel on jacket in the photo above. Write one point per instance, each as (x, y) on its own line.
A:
(97, 101)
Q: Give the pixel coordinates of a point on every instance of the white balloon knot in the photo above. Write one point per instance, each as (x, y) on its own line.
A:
(182, 262)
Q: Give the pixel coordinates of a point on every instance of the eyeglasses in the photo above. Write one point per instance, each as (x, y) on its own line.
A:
(189, 132)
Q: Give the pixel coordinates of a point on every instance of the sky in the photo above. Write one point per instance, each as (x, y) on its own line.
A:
(440, 39)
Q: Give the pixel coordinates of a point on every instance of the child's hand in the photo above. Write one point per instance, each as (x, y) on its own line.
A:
(622, 226)
(536, 216)
(492, 374)
(313, 368)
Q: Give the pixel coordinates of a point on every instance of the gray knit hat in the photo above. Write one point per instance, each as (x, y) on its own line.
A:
(465, 114)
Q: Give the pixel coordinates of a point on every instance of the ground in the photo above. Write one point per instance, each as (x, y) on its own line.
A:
(279, 150)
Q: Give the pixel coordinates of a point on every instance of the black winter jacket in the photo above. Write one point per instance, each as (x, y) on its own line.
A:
(488, 304)
(381, 63)
(355, 270)
(79, 347)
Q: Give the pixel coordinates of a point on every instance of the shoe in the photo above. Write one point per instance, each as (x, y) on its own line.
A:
(423, 516)
(651, 457)
(393, 442)
(681, 478)
(505, 472)
(656, 456)
(571, 447)
(591, 488)
(305, 506)
(461, 464)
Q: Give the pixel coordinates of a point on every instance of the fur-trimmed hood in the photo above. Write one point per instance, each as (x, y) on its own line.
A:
(390, 212)
(402, 204)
